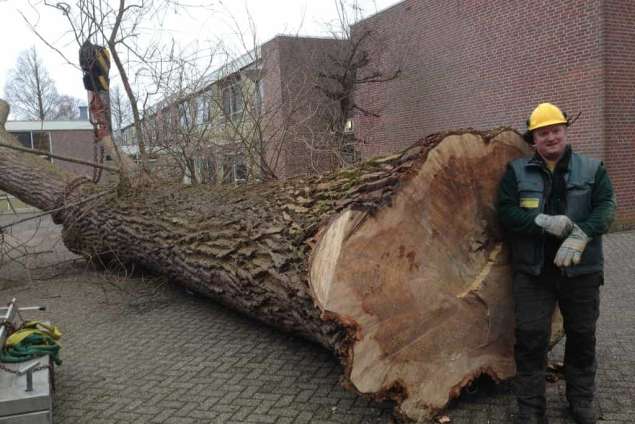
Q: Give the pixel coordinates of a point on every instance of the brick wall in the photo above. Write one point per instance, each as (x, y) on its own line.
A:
(273, 112)
(300, 112)
(487, 64)
(619, 114)
(75, 144)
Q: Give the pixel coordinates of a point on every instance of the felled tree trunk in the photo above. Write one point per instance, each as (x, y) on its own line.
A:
(396, 265)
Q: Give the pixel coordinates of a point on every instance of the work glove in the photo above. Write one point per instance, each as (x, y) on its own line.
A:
(570, 251)
(558, 225)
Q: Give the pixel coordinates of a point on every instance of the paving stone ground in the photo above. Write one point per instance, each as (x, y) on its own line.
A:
(140, 350)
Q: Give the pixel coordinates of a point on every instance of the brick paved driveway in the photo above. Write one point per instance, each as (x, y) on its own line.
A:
(140, 350)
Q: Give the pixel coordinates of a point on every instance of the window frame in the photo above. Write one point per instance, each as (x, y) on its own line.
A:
(232, 100)
(202, 110)
(259, 95)
(230, 165)
(184, 114)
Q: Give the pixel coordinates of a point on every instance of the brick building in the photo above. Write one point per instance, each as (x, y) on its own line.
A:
(65, 138)
(259, 113)
(487, 64)
(290, 73)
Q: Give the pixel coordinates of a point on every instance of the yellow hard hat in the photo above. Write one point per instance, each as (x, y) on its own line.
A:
(544, 115)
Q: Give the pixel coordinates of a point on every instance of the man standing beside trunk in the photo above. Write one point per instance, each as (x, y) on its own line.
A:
(554, 207)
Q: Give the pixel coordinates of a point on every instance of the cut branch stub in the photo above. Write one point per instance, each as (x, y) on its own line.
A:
(426, 282)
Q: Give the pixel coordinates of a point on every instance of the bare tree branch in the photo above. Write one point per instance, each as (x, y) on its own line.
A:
(45, 41)
(59, 157)
(30, 89)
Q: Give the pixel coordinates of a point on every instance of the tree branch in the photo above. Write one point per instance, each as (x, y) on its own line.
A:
(46, 42)
(365, 111)
(63, 158)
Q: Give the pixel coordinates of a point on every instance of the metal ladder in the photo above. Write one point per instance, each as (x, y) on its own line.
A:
(25, 395)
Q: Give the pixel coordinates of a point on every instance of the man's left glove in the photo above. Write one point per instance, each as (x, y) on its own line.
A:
(570, 251)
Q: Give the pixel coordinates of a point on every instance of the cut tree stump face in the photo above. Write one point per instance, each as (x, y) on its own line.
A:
(426, 280)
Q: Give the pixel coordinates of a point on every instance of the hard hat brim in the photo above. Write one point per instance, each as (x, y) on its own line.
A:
(547, 123)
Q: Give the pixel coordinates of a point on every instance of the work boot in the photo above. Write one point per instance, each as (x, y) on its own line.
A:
(583, 412)
(530, 419)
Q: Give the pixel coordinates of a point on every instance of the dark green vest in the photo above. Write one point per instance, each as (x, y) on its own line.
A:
(528, 251)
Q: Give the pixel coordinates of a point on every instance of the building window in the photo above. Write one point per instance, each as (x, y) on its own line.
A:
(128, 136)
(24, 138)
(185, 115)
(234, 169)
(348, 126)
(202, 110)
(258, 96)
(232, 101)
(227, 102)
(237, 98)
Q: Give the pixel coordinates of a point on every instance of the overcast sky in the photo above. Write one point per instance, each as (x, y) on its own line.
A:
(271, 17)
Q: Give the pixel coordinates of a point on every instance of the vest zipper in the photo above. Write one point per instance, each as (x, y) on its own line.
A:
(545, 195)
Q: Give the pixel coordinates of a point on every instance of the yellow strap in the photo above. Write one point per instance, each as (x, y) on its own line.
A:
(103, 82)
(103, 59)
(20, 335)
(51, 330)
(33, 327)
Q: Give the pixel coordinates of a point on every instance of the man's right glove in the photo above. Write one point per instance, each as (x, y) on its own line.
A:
(558, 225)
(570, 251)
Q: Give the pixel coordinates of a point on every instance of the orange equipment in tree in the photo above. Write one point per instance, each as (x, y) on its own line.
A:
(95, 63)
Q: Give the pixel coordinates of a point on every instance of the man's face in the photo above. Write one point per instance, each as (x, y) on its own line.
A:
(550, 141)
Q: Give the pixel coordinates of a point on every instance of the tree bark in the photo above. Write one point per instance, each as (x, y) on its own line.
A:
(396, 265)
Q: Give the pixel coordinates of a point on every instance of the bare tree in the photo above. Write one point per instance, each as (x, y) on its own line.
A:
(253, 134)
(119, 107)
(30, 89)
(211, 121)
(100, 22)
(182, 133)
(118, 26)
(314, 102)
(351, 67)
(120, 111)
(177, 129)
(248, 134)
(67, 107)
(268, 122)
(214, 124)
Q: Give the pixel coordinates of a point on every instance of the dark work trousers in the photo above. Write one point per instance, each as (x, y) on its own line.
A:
(535, 298)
